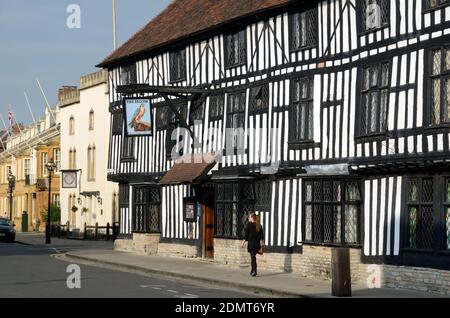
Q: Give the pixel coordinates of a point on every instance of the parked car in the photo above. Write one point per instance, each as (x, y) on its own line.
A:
(7, 231)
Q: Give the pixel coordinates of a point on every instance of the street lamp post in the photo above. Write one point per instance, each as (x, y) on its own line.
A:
(11, 184)
(50, 167)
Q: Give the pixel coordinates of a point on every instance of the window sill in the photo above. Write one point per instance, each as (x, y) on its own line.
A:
(127, 159)
(235, 152)
(303, 48)
(176, 81)
(256, 112)
(357, 246)
(367, 32)
(371, 137)
(301, 145)
(228, 67)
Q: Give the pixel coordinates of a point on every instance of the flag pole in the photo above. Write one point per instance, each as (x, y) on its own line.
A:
(46, 101)
(114, 24)
(32, 115)
(29, 107)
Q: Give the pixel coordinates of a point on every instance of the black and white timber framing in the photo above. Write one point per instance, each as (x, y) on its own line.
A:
(389, 166)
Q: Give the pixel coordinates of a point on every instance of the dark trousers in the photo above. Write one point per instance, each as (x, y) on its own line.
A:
(253, 257)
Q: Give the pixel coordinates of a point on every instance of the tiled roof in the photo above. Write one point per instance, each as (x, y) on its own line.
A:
(184, 18)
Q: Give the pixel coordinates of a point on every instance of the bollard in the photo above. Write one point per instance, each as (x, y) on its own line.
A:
(341, 285)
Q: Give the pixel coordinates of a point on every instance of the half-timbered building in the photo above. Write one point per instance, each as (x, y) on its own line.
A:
(330, 119)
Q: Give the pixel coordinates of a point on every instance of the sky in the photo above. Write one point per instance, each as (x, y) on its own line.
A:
(44, 39)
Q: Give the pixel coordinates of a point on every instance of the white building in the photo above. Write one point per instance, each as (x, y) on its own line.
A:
(85, 132)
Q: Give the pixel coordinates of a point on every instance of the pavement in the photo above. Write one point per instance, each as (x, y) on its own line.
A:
(267, 283)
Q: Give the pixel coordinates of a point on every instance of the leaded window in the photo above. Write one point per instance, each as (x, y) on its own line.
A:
(375, 14)
(440, 86)
(263, 195)
(128, 147)
(447, 214)
(433, 4)
(235, 134)
(197, 112)
(235, 49)
(374, 99)
(216, 106)
(420, 213)
(427, 213)
(163, 114)
(259, 98)
(117, 123)
(332, 212)
(128, 74)
(124, 195)
(234, 202)
(301, 110)
(146, 209)
(173, 134)
(303, 29)
(178, 66)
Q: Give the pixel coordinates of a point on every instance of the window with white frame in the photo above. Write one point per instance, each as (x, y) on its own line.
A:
(56, 200)
(57, 159)
(26, 168)
(44, 161)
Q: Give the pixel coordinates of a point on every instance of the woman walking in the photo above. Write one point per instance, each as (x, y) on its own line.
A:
(255, 237)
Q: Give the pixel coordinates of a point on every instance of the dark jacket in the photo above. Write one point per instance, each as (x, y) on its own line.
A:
(253, 237)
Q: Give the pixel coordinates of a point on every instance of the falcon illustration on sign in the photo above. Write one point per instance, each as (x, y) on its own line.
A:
(138, 116)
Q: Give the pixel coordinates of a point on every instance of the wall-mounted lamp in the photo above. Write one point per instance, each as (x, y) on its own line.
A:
(99, 200)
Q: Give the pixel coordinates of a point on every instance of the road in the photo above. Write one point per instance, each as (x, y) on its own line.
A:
(34, 270)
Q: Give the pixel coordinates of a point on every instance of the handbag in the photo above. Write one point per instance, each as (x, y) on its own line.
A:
(261, 250)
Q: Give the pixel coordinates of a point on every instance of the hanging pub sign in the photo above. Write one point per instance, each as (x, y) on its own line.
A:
(69, 179)
(138, 116)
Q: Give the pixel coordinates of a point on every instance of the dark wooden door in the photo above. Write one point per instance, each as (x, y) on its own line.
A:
(209, 226)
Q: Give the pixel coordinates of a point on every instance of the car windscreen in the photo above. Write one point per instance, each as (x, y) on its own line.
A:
(5, 222)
